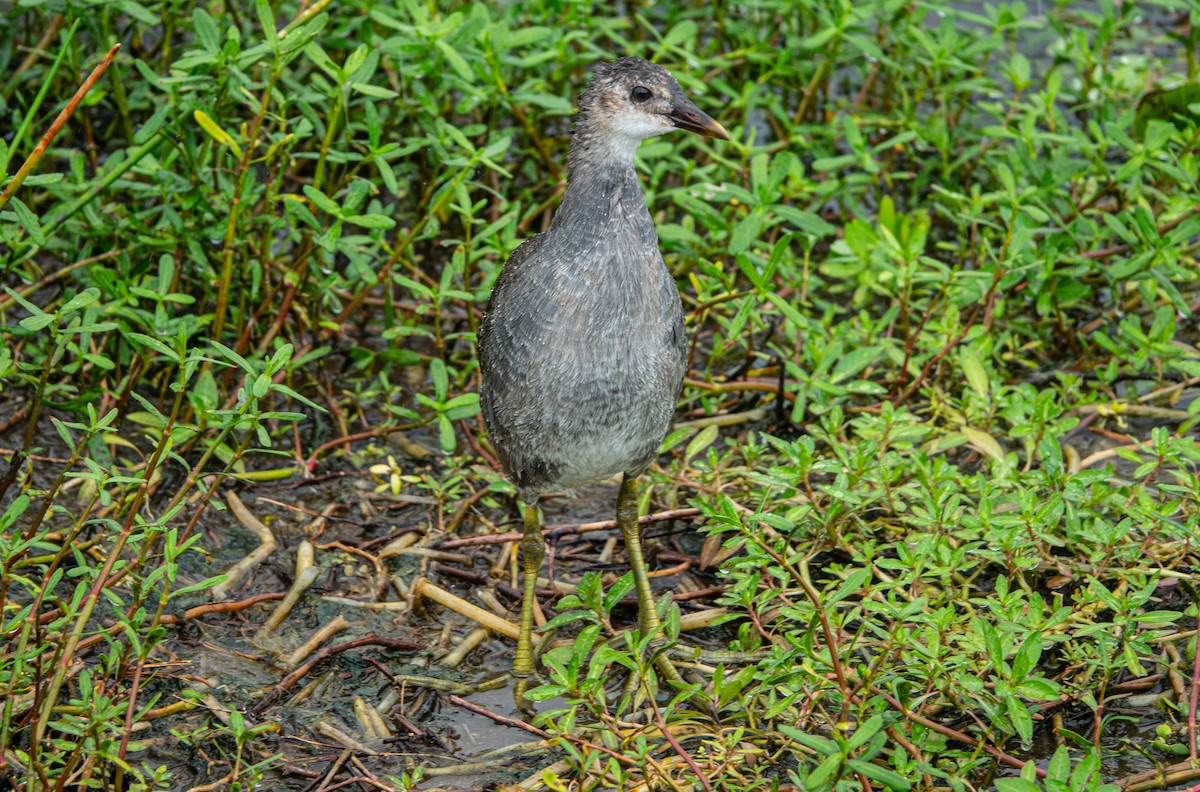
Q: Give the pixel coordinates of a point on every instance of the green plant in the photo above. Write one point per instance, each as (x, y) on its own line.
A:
(938, 423)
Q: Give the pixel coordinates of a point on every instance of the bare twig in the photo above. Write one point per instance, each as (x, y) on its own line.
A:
(266, 547)
(554, 531)
(289, 681)
(1124, 247)
(954, 734)
(466, 646)
(39, 150)
(498, 718)
(423, 588)
(306, 574)
(327, 631)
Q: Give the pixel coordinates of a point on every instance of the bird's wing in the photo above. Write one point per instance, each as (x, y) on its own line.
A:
(517, 297)
(519, 314)
(512, 343)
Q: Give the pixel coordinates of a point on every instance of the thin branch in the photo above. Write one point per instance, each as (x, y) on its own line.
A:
(36, 155)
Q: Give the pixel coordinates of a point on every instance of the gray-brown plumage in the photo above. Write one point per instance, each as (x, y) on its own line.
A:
(583, 348)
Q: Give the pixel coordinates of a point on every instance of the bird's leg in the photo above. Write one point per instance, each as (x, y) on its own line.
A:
(533, 549)
(627, 521)
(648, 623)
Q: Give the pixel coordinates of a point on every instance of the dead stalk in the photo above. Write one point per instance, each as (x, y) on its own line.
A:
(266, 547)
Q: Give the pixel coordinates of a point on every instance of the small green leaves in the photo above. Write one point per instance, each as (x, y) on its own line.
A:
(446, 409)
(938, 421)
(376, 221)
(845, 757)
(1175, 105)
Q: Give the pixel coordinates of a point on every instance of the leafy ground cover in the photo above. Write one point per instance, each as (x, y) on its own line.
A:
(930, 507)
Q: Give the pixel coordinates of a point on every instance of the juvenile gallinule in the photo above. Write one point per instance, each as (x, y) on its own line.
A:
(583, 347)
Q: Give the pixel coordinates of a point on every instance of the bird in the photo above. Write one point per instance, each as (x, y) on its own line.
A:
(582, 348)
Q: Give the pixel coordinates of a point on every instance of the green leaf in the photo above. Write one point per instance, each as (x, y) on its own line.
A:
(821, 745)
(28, 221)
(216, 133)
(1158, 617)
(984, 443)
(521, 38)
(456, 61)
(201, 586)
(94, 327)
(546, 692)
(139, 12)
(752, 273)
(1027, 656)
(81, 300)
(853, 583)
(703, 439)
(64, 432)
(375, 91)
(973, 369)
(446, 437)
(1038, 688)
(38, 322)
(13, 512)
(824, 771)
(865, 732)
(991, 641)
(1016, 785)
(233, 356)
(1059, 769)
(266, 18)
(746, 231)
(206, 31)
(21, 301)
(855, 361)
(461, 407)
(1084, 772)
(683, 32)
(1021, 720)
(788, 310)
(883, 775)
(323, 201)
(441, 379)
(462, 400)
(158, 346)
(371, 221)
(807, 222)
(617, 591)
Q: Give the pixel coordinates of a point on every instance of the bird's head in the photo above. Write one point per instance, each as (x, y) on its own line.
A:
(630, 100)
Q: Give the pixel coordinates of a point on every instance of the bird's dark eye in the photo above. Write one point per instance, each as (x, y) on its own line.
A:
(639, 94)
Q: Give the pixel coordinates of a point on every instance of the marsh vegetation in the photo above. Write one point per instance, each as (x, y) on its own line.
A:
(932, 486)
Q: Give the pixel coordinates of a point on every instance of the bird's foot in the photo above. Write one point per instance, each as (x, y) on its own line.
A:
(521, 685)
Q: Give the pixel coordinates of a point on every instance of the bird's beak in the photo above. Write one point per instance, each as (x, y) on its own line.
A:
(687, 116)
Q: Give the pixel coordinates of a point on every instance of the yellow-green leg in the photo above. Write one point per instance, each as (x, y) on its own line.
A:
(533, 549)
(648, 623)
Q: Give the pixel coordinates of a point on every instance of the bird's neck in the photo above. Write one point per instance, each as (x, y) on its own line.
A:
(600, 190)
